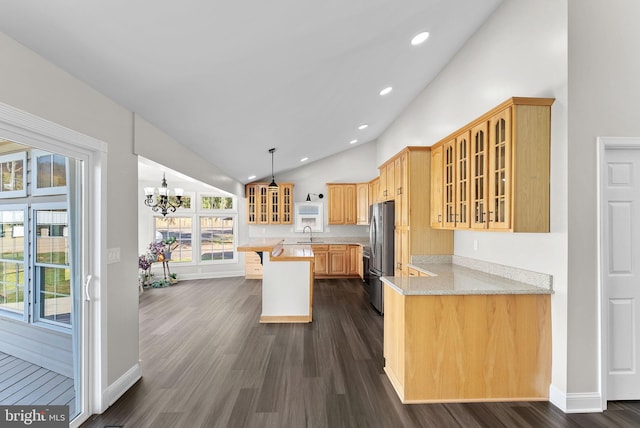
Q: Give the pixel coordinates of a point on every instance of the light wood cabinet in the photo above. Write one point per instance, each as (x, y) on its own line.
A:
(437, 217)
(265, 206)
(338, 260)
(413, 234)
(342, 203)
(496, 169)
(359, 264)
(320, 252)
(362, 202)
(252, 265)
(387, 189)
(501, 343)
(374, 191)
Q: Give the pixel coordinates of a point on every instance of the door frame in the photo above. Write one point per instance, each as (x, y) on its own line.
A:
(40, 133)
(603, 145)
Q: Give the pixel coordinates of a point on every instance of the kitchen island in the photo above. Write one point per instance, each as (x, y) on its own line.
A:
(461, 335)
(287, 280)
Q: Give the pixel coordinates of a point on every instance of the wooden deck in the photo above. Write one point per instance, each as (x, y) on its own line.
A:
(27, 384)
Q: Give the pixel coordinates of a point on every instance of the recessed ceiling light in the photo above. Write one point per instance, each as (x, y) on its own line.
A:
(419, 38)
(363, 126)
(304, 159)
(251, 177)
(386, 90)
(353, 141)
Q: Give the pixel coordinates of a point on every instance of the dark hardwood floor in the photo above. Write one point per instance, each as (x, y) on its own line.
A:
(207, 362)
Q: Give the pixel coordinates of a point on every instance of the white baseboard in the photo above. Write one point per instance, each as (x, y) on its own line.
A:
(583, 402)
(122, 385)
(210, 275)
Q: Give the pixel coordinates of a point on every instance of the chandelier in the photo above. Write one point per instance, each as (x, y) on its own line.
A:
(163, 201)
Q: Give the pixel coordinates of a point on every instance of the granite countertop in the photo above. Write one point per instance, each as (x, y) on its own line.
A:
(260, 244)
(453, 279)
(293, 253)
(328, 240)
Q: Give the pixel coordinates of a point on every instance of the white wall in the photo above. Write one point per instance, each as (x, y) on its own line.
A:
(352, 166)
(604, 90)
(32, 84)
(520, 51)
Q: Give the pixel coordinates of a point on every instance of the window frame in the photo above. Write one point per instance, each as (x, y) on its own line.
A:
(10, 157)
(34, 276)
(24, 316)
(44, 191)
(219, 213)
(176, 216)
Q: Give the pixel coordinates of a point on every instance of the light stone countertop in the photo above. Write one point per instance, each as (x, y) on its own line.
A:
(453, 279)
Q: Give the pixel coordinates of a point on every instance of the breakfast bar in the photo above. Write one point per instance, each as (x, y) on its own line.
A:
(456, 334)
(287, 280)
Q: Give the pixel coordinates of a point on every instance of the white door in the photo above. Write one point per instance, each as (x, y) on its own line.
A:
(620, 262)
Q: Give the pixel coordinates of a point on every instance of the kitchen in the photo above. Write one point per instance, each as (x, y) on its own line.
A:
(470, 85)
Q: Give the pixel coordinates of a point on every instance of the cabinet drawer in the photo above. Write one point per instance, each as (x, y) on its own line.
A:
(338, 247)
(320, 247)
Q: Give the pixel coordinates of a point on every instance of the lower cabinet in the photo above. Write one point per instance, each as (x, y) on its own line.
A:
(252, 266)
(337, 260)
(321, 267)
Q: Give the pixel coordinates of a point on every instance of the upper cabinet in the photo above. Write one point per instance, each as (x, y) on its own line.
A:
(413, 234)
(495, 171)
(362, 201)
(348, 203)
(266, 206)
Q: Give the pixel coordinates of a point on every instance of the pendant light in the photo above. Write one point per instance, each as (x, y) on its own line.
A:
(273, 186)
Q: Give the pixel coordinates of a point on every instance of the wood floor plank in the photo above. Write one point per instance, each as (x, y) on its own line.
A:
(208, 362)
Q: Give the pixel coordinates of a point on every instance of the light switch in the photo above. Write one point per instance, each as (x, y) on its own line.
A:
(113, 255)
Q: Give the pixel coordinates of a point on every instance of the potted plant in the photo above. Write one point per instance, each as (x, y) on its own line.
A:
(173, 278)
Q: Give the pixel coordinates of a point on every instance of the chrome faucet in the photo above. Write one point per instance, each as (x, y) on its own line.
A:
(304, 229)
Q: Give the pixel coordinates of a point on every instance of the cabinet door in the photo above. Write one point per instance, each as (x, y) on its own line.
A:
(401, 251)
(500, 171)
(374, 191)
(353, 260)
(349, 203)
(250, 191)
(274, 206)
(336, 204)
(437, 219)
(338, 260)
(402, 193)
(263, 204)
(382, 182)
(286, 203)
(391, 181)
(359, 261)
(449, 184)
(362, 203)
(320, 260)
(462, 181)
(479, 180)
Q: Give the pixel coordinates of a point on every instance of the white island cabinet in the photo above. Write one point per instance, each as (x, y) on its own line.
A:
(287, 281)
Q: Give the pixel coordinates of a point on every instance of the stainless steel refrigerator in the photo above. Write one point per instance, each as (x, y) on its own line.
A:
(381, 237)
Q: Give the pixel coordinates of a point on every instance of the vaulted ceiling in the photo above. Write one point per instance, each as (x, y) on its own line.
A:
(232, 79)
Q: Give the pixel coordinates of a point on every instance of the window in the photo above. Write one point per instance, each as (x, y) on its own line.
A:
(49, 173)
(182, 229)
(213, 226)
(13, 175)
(217, 238)
(12, 250)
(209, 202)
(52, 273)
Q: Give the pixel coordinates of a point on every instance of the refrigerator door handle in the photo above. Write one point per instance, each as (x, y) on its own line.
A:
(373, 236)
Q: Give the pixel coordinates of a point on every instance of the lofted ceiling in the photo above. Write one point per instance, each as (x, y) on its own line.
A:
(232, 79)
